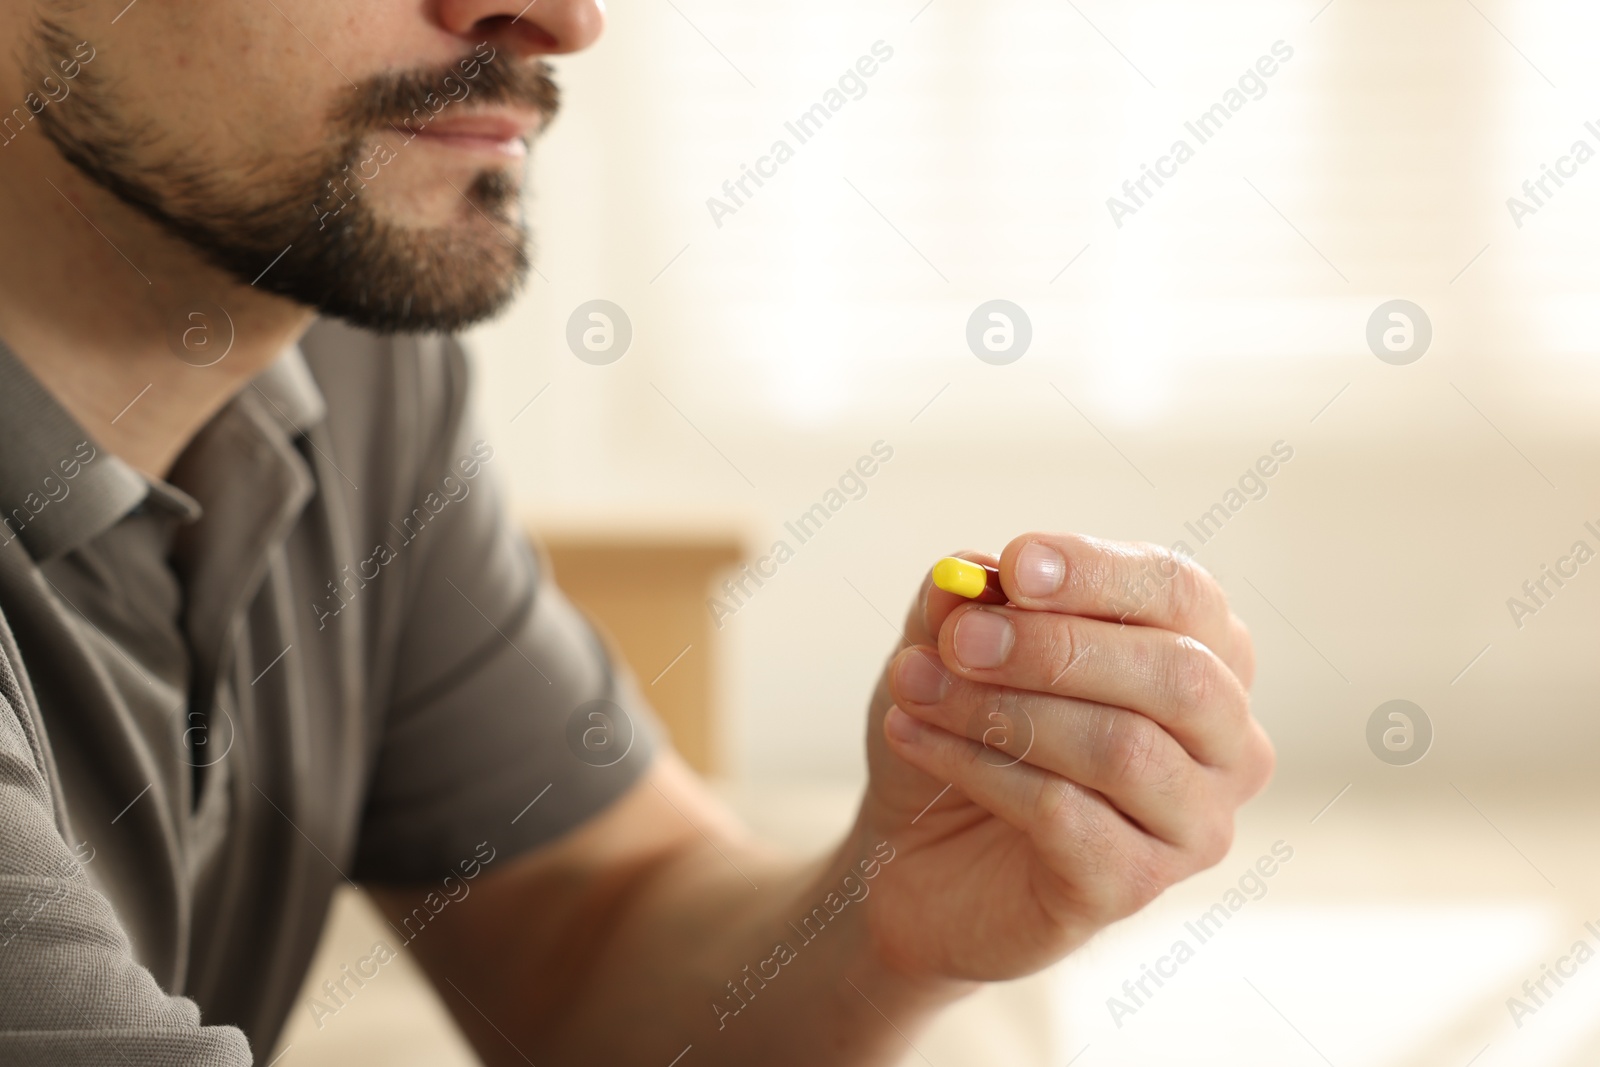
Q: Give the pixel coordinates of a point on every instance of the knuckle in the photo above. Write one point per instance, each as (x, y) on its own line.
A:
(1189, 680)
(1189, 592)
(1243, 653)
(1269, 759)
(1058, 811)
(1093, 568)
(1141, 575)
(1059, 645)
(1128, 754)
(1149, 874)
(1213, 842)
(1066, 822)
(998, 718)
(1121, 584)
(1262, 762)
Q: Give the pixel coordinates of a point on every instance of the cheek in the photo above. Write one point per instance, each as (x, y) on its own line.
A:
(244, 80)
(250, 98)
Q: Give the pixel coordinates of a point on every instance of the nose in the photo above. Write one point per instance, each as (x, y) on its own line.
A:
(542, 27)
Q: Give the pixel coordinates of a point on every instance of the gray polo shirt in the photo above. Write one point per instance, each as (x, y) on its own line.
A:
(318, 653)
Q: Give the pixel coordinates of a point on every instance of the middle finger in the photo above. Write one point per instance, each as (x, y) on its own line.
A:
(1174, 680)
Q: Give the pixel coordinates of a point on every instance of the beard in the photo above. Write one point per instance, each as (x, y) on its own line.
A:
(304, 231)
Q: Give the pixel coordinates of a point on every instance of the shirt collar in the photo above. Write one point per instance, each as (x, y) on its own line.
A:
(59, 489)
(290, 393)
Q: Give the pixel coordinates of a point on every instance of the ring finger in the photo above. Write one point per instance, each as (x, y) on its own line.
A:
(1120, 754)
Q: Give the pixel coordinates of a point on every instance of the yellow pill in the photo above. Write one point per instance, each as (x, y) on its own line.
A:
(971, 580)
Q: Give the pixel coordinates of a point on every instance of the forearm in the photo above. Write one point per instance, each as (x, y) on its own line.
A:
(781, 972)
(746, 957)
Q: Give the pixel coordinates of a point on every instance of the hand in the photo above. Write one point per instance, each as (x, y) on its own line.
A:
(1096, 737)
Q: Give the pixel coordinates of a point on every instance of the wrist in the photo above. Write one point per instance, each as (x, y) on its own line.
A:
(856, 872)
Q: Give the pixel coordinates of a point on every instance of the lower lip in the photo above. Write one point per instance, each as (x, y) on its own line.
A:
(514, 148)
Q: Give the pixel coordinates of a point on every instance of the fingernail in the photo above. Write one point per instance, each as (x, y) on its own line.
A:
(901, 726)
(983, 639)
(920, 680)
(1040, 570)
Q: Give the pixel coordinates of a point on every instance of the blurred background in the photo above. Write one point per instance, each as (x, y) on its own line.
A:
(776, 339)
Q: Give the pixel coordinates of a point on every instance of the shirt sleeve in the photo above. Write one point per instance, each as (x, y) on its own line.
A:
(510, 723)
(70, 991)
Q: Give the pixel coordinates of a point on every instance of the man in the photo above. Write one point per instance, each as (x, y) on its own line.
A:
(267, 631)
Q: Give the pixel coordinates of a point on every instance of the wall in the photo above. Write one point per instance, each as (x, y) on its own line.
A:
(1228, 313)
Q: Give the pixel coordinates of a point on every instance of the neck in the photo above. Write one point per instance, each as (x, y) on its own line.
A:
(112, 314)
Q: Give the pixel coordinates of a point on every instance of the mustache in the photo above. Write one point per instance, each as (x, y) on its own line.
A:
(403, 98)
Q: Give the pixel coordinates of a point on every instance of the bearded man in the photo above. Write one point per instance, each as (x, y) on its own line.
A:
(268, 630)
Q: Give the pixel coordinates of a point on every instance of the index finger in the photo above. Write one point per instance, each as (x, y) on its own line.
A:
(1143, 584)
